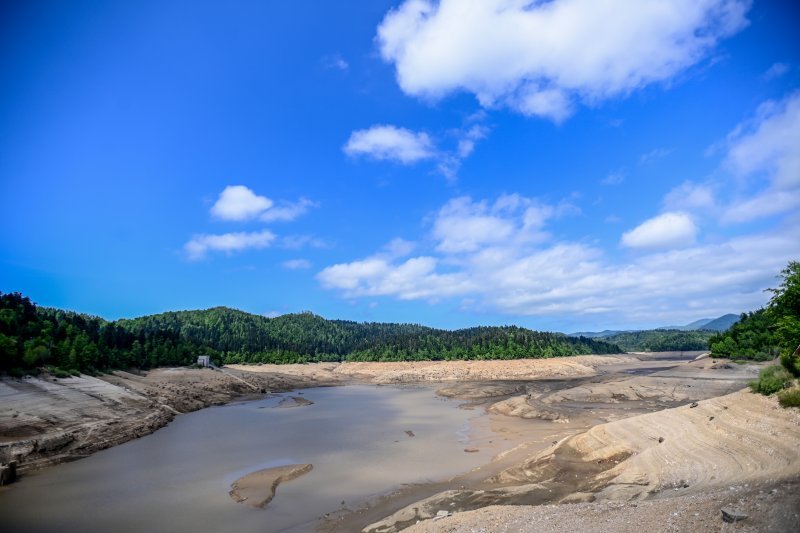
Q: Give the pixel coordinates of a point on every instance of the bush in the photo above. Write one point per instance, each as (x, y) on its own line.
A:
(790, 397)
(770, 380)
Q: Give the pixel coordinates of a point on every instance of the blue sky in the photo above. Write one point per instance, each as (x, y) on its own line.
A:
(566, 165)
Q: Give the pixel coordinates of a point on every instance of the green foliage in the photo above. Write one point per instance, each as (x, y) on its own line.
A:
(32, 336)
(784, 309)
(770, 380)
(661, 340)
(767, 333)
(751, 338)
(789, 397)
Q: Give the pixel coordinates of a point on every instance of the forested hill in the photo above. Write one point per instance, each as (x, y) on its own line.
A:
(33, 336)
(236, 336)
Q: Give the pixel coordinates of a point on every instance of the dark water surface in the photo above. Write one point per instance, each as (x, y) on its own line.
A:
(178, 478)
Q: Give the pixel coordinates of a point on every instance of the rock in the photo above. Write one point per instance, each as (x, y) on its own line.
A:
(660, 440)
(409, 433)
(731, 515)
(694, 404)
(8, 473)
(442, 514)
(471, 450)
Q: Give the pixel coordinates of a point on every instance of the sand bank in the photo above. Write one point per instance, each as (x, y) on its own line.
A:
(258, 488)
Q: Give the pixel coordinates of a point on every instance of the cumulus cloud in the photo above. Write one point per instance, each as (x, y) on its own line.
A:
(297, 264)
(764, 155)
(540, 58)
(568, 279)
(386, 142)
(239, 203)
(668, 230)
(200, 245)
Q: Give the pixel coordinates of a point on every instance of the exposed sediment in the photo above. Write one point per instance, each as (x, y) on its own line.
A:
(46, 420)
(258, 488)
(733, 440)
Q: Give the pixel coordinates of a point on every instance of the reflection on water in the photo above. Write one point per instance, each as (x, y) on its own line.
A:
(178, 478)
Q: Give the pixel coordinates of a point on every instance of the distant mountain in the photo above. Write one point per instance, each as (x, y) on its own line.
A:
(692, 336)
(598, 334)
(722, 323)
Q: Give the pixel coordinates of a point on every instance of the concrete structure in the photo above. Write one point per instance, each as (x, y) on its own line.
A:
(204, 360)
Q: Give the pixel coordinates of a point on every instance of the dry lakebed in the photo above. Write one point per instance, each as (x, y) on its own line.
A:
(632, 442)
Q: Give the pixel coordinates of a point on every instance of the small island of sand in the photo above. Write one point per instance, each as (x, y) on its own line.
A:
(258, 488)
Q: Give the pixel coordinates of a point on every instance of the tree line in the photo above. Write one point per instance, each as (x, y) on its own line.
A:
(32, 337)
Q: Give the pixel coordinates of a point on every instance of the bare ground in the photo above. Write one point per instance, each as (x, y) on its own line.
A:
(613, 440)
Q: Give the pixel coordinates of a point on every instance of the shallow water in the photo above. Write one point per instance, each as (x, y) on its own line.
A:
(178, 478)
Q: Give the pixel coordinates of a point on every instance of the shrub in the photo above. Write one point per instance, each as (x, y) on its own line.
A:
(770, 380)
(790, 397)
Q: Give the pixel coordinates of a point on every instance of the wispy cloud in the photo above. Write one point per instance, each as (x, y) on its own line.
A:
(336, 62)
(542, 58)
(776, 70)
(655, 154)
(201, 245)
(615, 178)
(297, 264)
(764, 155)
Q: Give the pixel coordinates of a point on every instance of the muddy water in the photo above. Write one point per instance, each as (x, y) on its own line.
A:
(178, 478)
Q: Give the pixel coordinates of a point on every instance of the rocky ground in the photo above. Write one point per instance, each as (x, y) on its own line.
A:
(773, 507)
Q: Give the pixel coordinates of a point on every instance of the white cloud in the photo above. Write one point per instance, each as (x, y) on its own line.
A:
(462, 225)
(296, 242)
(287, 211)
(573, 280)
(615, 178)
(668, 230)
(386, 142)
(335, 61)
(690, 196)
(541, 57)
(776, 70)
(764, 155)
(240, 203)
(297, 264)
(655, 154)
(237, 202)
(200, 245)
